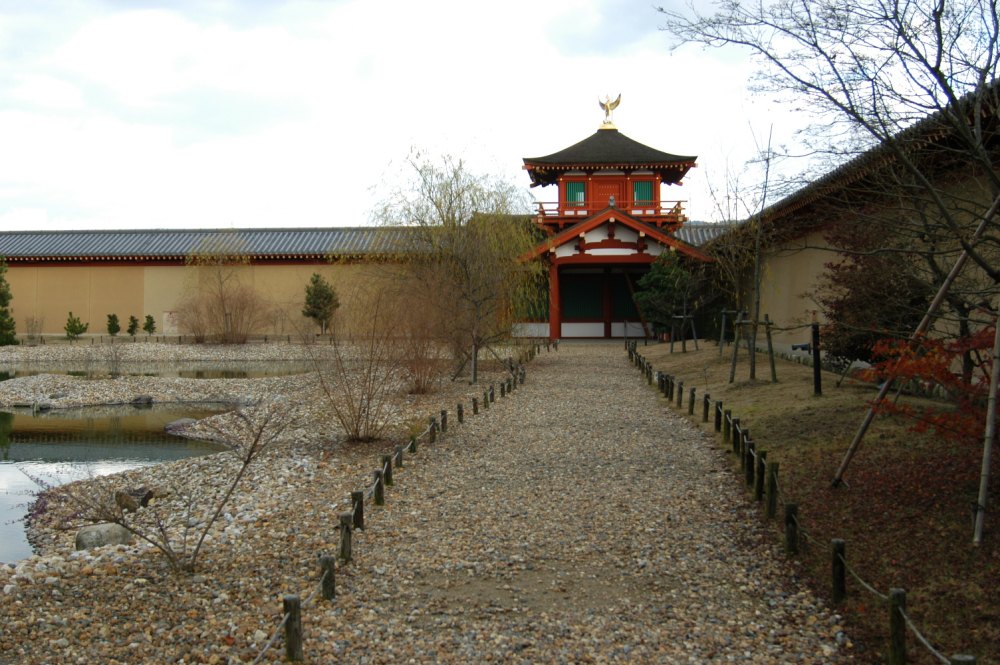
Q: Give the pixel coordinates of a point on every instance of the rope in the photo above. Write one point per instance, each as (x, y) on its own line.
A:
(316, 590)
(803, 532)
(270, 642)
(922, 639)
(860, 581)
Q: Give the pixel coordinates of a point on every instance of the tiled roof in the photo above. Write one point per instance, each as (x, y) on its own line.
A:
(162, 243)
(609, 149)
(699, 234)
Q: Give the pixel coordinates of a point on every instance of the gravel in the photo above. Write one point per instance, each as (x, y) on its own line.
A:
(578, 520)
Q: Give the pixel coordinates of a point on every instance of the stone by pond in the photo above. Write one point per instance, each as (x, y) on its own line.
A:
(51, 448)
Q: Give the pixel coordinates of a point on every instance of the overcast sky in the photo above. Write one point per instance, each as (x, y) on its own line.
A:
(260, 113)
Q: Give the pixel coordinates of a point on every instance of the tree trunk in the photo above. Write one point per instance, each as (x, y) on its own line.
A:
(475, 361)
(991, 431)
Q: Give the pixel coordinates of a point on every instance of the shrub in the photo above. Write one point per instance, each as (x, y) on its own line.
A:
(74, 327)
(114, 327)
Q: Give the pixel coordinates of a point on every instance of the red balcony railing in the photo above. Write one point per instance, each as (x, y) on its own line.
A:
(661, 213)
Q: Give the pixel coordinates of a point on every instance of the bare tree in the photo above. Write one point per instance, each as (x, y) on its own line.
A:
(465, 234)
(178, 518)
(360, 376)
(218, 304)
(912, 84)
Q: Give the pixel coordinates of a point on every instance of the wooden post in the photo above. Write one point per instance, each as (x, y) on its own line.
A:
(680, 394)
(358, 508)
(897, 627)
(735, 435)
(691, 402)
(475, 406)
(770, 349)
(486, 399)
(413, 445)
(738, 330)
(444, 421)
(328, 570)
(397, 458)
(379, 494)
(345, 536)
(791, 529)
(387, 470)
(718, 415)
(817, 377)
(839, 569)
(772, 490)
(727, 424)
(461, 413)
(432, 429)
(493, 394)
(750, 463)
(758, 476)
(706, 407)
(293, 629)
(503, 389)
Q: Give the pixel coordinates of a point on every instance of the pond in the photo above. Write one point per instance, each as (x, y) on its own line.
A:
(184, 369)
(61, 446)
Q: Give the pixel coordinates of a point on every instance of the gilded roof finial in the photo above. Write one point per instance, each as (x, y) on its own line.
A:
(608, 107)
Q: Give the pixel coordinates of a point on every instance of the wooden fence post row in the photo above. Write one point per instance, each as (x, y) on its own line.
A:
(761, 476)
(791, 529)
(358, 509)
(293, 629)
(897, 627)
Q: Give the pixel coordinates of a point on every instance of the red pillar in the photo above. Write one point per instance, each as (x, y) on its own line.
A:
(555, 314)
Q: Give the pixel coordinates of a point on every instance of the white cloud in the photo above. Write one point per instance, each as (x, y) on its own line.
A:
(236, 114)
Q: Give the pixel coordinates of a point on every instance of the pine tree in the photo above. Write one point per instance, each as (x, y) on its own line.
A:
(133, 326)
(74, 327)
(150, 325)
(113, 326)
(8, 334)
(321, 302)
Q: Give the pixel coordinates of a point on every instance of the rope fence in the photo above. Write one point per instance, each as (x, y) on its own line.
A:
(290, 625)
(761, 477)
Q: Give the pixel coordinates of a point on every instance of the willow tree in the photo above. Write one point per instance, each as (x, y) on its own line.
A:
(462, 238)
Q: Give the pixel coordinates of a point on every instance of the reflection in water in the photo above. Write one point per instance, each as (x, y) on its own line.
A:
(62, 446)
(185, 369)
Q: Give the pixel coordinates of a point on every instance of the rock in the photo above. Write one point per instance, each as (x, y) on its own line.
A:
(126, 501)
(99, 535)
(137, 497)
(179, 424)
(142, 401)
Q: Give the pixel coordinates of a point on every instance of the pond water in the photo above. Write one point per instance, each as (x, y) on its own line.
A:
(185, 370)
(61, 446)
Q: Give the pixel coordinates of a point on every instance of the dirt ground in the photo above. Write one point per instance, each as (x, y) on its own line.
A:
(905, 509)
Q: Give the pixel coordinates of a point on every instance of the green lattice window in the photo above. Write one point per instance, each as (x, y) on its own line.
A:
(642, 191)
(575, 193)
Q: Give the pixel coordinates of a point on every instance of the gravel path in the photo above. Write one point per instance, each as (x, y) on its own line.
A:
(580, 521)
